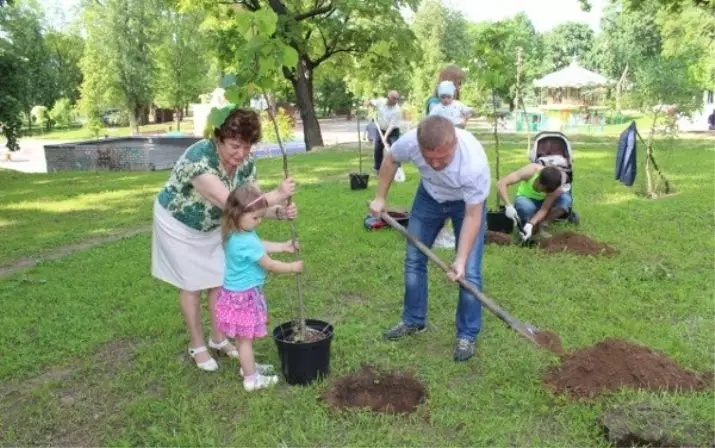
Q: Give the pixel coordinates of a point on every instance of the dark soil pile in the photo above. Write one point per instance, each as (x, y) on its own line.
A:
(381, 391)
(575, 243)
(615, 363)
(499, 238)
(550, 341)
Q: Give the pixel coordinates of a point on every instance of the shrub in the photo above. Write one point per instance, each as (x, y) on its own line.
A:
(285, 127)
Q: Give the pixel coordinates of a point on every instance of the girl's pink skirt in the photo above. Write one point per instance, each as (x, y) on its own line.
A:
(242, 314)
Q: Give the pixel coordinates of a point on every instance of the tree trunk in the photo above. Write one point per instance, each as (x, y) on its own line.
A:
(303, 86)
(177, 112)
(134, 116)
(301, 80)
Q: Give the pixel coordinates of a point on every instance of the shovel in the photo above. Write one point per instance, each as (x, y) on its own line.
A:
(528, 331)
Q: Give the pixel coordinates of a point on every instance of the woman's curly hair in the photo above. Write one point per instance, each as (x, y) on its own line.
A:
(241, 124)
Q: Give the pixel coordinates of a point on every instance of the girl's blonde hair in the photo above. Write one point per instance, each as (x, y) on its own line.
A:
(244, 199)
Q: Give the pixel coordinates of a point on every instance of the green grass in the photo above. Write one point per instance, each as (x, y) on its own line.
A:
(93, 348)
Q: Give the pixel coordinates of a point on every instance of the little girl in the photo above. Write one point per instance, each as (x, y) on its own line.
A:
(241, 308)
(449, 107)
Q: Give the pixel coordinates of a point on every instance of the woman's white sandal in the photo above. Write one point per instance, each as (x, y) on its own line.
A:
(209, 366)
(219, 348)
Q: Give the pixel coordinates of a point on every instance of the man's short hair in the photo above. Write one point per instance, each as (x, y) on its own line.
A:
(434, 131)
(550, 178)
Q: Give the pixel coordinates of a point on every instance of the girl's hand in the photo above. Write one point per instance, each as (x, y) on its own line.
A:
(290, 248)
(287, 188)
(297, 266)
(289, 211)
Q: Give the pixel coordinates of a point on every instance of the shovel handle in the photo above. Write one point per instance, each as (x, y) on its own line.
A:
(510, 320)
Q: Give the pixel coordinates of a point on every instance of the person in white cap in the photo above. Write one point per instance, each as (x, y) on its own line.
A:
(448, 107)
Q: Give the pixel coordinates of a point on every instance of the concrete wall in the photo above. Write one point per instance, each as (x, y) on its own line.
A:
(120, 154)
(136, 153)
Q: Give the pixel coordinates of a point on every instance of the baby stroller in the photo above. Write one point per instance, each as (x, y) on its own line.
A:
(553, 148)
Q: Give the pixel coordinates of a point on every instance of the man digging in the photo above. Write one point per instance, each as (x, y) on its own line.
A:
(455, 181)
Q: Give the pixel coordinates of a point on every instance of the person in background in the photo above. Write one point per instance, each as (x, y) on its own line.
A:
(711, 121)
(449, 73)
(450, 108)
(389, 116)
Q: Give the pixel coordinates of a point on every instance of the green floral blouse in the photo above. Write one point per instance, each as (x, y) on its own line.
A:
(180, 198)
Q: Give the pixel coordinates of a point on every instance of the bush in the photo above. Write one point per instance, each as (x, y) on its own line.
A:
(41, 116)
(62, 112)
(285, 127)
(116, 118)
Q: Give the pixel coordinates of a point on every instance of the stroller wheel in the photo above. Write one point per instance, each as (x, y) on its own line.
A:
(574, 218)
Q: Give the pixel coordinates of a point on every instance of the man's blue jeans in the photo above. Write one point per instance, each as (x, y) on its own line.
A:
(426, 220)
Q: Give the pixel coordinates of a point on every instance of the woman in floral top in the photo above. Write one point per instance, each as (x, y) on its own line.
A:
(186, 239)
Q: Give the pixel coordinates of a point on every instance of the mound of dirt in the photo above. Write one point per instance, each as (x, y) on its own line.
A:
(499, 238)
(575, 243)
(614, 363)
(382, 391)
(550, 341)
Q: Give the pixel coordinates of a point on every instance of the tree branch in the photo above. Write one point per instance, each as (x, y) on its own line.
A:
(318, 10)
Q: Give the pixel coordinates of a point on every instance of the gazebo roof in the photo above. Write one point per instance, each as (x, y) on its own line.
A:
(573, 76)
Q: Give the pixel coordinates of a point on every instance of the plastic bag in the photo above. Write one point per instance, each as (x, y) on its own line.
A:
(400, 175)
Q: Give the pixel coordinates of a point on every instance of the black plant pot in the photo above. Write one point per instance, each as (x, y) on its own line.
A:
(497, 221)
(304, 362)
(358, 181)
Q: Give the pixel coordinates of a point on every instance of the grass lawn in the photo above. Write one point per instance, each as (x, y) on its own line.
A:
(94, 349)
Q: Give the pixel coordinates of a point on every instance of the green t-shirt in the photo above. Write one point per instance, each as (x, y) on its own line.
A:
(180, 198)
(526, 188)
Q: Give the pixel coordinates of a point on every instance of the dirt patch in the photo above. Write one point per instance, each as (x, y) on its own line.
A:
(550, 341)
(354, 297)
(498, 238)
(27, 262)
(613, 364)
(380, 391)
(575, 243)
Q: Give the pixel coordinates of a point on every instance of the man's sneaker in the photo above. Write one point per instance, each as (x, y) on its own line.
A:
(403, 329)
(464, 350)
(259, 381)
(263, 369)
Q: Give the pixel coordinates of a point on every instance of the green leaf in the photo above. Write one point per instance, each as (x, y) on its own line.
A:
(265, 67)
(217, 116)
(234, 94)
(243, 24)
(266, 21)
(290, 56)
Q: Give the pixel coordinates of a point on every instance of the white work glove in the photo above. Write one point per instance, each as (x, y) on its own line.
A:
(510, 212)
(526, 234)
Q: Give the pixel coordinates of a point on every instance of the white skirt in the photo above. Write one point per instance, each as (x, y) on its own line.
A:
(184, 257)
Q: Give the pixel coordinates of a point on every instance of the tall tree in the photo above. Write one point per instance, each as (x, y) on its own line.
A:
(496, 49)
(11, 68)
(318, 31)
(118, 59)
(690, 35)
(65, 49)
(566, 41)
(181, 61)
(23, 26)
(443, 38)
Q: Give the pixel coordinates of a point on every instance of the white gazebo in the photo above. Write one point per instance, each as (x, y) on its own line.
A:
(566, 91)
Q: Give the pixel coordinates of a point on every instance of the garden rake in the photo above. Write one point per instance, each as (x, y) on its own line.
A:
(526, 330)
